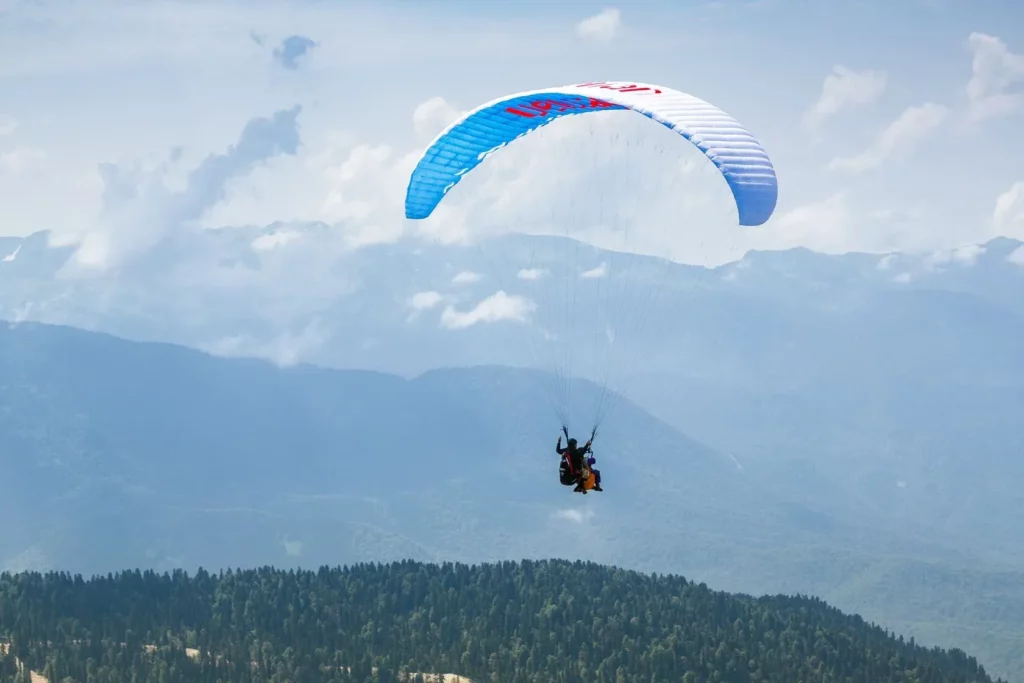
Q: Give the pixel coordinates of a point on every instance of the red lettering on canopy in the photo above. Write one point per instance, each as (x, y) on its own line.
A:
(517, 112)
(620, 87)
(543, 107)
(637, 88)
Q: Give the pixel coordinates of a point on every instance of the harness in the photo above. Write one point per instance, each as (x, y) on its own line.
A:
(567, 460)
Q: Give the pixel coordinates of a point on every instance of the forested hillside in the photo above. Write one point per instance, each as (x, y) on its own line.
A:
(508, 622)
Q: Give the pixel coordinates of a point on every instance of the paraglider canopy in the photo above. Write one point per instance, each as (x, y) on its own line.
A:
(591, 304)
(736, 154)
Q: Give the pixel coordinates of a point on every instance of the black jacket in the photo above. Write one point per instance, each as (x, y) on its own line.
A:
(574, 456)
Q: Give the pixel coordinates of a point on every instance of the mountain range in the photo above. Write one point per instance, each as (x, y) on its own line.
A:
(842, 425)
(898, 378)
(121, 453)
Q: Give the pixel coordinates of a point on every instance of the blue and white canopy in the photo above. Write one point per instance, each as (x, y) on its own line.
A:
(737, 155)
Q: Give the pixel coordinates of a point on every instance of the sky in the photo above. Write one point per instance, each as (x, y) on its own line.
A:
(891, 126)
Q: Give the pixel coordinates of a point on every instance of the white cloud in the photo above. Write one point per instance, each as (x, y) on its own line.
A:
(275, 239)
(902, 278)
(293, 548)
(433, 116)
(601, 27)
(838, 224)
(21, 159)
(285, 350)
(995, 73)
(466, 277)
(574, 515)
(1008, 217)
(734, 269)
(357, 188)
(423, 301)
(966, 255)
(1017, 256)
(497, 307)
(7, 125)
(141, 207)
(531, 273)
(593, 273)
(364, 195)
(909, 129)
(844, 88)
(291, 53)
(822, 225)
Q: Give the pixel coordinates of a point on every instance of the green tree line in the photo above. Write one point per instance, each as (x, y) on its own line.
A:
(508, 622)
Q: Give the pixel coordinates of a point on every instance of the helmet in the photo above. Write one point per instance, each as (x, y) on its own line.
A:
(572, 443)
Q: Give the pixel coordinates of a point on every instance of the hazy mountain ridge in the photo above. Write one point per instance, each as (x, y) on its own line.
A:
(878, 387)
(289, 291)
(127, 454)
